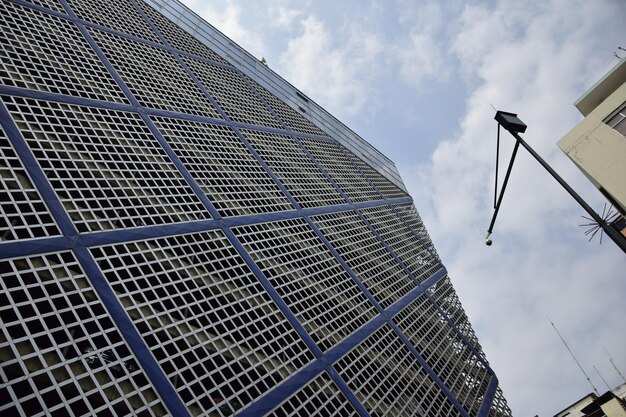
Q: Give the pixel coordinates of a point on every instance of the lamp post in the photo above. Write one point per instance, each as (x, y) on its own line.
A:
(514, 125)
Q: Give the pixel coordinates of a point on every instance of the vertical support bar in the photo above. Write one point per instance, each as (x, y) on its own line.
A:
(495, 189)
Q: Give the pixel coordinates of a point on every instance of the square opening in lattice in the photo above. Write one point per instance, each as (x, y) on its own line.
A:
(389, 381)
(342, 170)
(23, 212)
(366, 256)
(319, 397)
(154, 76)
(409, 248)
(233, 95)
(120, 15)
(294, 120)
(446, 353)
(177, 37)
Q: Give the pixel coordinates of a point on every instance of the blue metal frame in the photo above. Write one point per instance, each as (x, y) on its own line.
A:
(428, 369)
(41, 245)
(489, 396)
(130, 333)
(284, 308)
(79, 243)
(37, 176)
(325, 361)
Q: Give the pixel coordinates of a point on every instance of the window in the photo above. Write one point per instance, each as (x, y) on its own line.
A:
(617, 121)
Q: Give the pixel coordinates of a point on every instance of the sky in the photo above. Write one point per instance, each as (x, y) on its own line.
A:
(418, 79)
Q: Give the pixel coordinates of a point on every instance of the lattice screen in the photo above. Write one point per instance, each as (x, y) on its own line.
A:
(177, 239)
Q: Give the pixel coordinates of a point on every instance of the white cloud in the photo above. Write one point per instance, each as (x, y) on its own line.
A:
(421, 59)
(420, 54)
(283, 17)
(533, 58)
(337, 65)
(228, 17)
(335, 75)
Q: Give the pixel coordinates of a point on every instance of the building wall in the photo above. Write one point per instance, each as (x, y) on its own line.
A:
(598, 150)
(575, 409)
(176, 240)
(614, 408)
(620, 391)
(280, 88)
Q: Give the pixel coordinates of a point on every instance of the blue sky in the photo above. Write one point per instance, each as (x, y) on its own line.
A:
(417, 80)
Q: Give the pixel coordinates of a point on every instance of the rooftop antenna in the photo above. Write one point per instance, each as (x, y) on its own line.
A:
(609, 216)
(598, 372)
(573, 356)
(613, 363)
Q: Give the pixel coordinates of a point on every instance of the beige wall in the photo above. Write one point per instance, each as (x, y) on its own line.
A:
(598, 150)
(613, 409)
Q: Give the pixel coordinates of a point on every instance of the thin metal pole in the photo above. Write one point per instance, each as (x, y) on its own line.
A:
(619, 240)
(601, 377)
(495, 192)
(573, 356)
(613, 363)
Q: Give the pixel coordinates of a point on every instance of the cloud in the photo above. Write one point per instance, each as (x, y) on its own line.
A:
(420, 54)
(334, 74)
(533, 58)
(338, 65)
(228, 17)
(284, 17)
(421, 59)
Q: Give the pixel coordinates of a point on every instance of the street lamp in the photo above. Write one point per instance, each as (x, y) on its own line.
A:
(515, 126)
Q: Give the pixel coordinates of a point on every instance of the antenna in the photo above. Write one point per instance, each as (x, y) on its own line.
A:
(608, 216)
(575, 360)
(613, 363)
(598, 372)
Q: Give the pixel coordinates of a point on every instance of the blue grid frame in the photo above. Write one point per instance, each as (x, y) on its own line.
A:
(79, 243)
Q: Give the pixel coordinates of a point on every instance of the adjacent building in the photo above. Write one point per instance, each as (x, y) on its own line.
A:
(184, 233)
(610, 404)
(597, 145)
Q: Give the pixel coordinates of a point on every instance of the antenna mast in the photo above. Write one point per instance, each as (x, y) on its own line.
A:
(573, 356)
(600, 375)
(613, 363)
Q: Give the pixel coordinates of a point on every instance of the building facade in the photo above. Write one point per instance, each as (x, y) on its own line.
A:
(597, 145)
(610, 404)
(184, 233)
